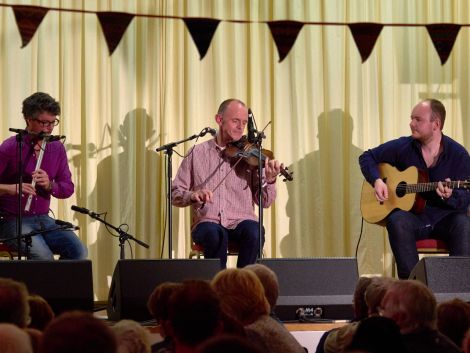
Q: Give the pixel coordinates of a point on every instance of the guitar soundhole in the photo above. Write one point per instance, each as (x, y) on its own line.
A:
(401, 189)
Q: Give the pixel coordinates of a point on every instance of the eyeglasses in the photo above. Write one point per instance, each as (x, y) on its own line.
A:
(46, 123)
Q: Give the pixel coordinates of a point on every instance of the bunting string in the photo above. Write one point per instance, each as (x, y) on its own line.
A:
(202, 30)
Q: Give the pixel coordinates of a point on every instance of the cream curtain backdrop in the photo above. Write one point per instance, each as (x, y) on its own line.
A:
(324, 105)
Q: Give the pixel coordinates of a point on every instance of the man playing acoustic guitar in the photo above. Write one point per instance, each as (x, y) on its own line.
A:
(441, 160)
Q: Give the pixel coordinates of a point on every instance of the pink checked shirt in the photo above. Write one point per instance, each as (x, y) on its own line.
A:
(233, 201)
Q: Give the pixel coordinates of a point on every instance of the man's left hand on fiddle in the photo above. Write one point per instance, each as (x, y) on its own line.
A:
(272, 168)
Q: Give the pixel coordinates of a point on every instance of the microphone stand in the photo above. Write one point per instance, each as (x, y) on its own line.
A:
(19, 218)
(258, 142)
(168, 150)
(123, 235)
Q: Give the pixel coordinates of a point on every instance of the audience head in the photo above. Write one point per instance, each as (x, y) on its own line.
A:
(242, 294)
(375, 292)
(194, 313)
(453, 319)
(359, 303)
(411, 305)
(35, 337)
(157, 303)
(466, 342)
(14, 308)
(377, 334)
(14, 340)
(229, 344)
(78, 332)
(269, 281)
(131, 337)
(40, 312)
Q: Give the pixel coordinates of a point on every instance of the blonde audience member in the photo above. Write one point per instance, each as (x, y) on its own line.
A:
(269, 281)
(131, 337)
(242, 297)
(14, 340)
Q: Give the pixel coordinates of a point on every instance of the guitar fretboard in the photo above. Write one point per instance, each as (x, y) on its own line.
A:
(423, 187)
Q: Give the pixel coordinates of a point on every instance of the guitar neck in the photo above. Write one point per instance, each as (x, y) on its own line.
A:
(423, 187)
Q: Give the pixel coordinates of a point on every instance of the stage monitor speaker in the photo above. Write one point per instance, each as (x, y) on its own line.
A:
(65, 284)
(314, 289)
(448, 277)
(134, 280)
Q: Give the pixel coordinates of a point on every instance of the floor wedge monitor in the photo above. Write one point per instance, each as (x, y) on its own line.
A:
(314, 289)
(134, 280)
(65, 284)
(448, 277)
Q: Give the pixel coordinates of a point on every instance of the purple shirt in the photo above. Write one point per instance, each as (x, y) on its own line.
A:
(54, 163)
(233, 201)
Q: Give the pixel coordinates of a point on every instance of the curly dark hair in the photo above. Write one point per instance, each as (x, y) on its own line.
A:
(38, 103)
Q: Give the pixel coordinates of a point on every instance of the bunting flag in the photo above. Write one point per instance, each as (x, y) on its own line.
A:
(365, 35)
(443, 37)
(284, 34)
(202, 30)
(28, 19)
(114, 24)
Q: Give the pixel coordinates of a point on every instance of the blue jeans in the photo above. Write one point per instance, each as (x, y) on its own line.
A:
(214, 238)
(44, 245)
(404, 229)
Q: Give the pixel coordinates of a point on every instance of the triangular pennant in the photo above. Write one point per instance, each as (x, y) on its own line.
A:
(114, 24)
(28, 19)
(284, 34)
(202, 30)
(443, 37)
(365, 35)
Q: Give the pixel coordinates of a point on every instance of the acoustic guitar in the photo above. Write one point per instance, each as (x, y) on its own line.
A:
(403, 189)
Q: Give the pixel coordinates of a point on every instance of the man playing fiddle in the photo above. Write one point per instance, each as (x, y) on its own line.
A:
(52, 178)
(225, 212)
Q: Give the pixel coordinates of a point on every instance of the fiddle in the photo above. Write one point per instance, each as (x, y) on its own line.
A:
(249, 152)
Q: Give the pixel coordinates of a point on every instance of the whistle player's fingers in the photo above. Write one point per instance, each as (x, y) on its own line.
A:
(27, 189)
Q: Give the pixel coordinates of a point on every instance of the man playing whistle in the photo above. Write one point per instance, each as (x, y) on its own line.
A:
(50, 177)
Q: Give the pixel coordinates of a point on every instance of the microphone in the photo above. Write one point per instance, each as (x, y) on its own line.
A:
(50, 138)
(66, 224)
(83, 210)
(19, 131)
(208, 130)
(251, 127)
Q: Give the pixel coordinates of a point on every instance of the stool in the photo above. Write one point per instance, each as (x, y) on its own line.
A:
(197, 250)
(432, 246)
